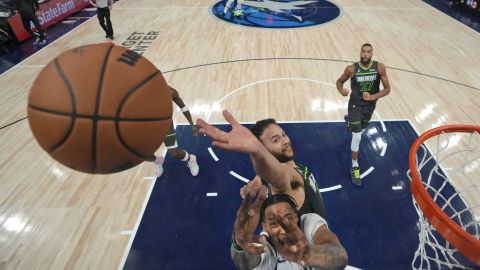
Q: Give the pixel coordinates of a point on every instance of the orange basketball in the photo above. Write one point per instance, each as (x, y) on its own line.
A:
(100, 108)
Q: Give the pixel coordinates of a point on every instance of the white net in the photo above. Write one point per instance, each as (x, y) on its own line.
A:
(449, 168)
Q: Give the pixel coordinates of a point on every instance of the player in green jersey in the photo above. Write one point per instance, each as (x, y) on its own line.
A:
(365, 77)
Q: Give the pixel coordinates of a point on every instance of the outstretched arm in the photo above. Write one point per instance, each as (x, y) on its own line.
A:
(240, 139)
(186, 112)
(326, 252)
(247, 247)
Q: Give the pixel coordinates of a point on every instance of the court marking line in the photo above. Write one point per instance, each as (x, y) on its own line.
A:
(397, 187)
(210, 150)
(330, 188)
(367, 172)
(319, 59)
(31, 66)
(299, 122)
(212, 194)
(349, 267)
(384, 128)
(265, 81)
(239, 177)
(384, 149)
(137, 223)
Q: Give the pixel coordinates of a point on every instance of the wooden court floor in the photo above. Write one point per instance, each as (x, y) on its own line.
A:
(54, 218)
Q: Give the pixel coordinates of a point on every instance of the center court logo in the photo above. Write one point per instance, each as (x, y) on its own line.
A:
(276, 13)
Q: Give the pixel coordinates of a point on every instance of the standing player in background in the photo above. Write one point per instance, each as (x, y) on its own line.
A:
(238, 9)
(103, 14)
(171, 141)
(28, 10)
(365, 77)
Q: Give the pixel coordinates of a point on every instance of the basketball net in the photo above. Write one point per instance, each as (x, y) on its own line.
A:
(445, 175)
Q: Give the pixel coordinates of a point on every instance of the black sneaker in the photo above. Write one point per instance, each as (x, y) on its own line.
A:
(355, 176)
(42, 42)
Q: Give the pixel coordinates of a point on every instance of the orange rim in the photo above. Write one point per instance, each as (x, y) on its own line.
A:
(451, 231)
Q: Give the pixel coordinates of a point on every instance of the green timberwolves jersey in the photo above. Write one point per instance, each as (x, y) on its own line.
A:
(313, 199)
(364, 80)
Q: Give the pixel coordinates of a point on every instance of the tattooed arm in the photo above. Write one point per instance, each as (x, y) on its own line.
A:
(247, 247)
(242, 259)
(326, 252)
(313, 245)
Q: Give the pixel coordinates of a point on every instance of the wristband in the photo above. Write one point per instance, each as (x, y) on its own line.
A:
(235, 246)
(184, 109)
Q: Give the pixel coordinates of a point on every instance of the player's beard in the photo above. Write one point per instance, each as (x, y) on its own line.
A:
(365, 61)
(282, 158)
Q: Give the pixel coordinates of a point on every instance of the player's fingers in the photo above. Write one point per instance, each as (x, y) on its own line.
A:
(288, 225)
(261, 193)
(242, 192)
(246, 202)
(229, 117)
(209, 130)
(201, 123)
(293, 232)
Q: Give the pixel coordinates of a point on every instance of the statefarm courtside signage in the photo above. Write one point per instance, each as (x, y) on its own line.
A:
(49, 14)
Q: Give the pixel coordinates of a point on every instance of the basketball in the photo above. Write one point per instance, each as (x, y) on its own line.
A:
(100, 108)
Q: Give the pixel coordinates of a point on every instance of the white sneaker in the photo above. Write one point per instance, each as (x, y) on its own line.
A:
(192, 164)
(159, 164)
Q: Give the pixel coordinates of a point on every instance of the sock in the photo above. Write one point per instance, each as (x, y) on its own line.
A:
(159, 159)
(354, 163)
(187, 157)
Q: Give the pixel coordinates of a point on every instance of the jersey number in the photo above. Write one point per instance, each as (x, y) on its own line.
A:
(366, 86)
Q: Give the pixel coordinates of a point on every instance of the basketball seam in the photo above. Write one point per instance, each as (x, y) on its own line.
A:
(122, 103)
(97, 107)
(103, 118)
(59, 69)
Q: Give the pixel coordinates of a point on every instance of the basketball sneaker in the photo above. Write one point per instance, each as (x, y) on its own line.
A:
(192, 164)
(42, 42)
(355, 176)
(159, 165)
(238, 13)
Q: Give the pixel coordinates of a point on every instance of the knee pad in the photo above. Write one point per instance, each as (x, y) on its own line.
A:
(356, 137)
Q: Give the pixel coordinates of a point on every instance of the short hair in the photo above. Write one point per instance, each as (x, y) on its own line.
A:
(367, 44)
(260, 126)
(274, 199)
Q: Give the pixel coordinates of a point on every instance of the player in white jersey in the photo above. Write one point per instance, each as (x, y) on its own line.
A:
(289, 243)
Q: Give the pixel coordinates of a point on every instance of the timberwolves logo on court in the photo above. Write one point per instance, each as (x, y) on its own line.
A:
(276, 13)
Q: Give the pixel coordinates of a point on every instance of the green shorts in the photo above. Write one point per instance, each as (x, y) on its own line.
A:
(359, 116)
(171, 138)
